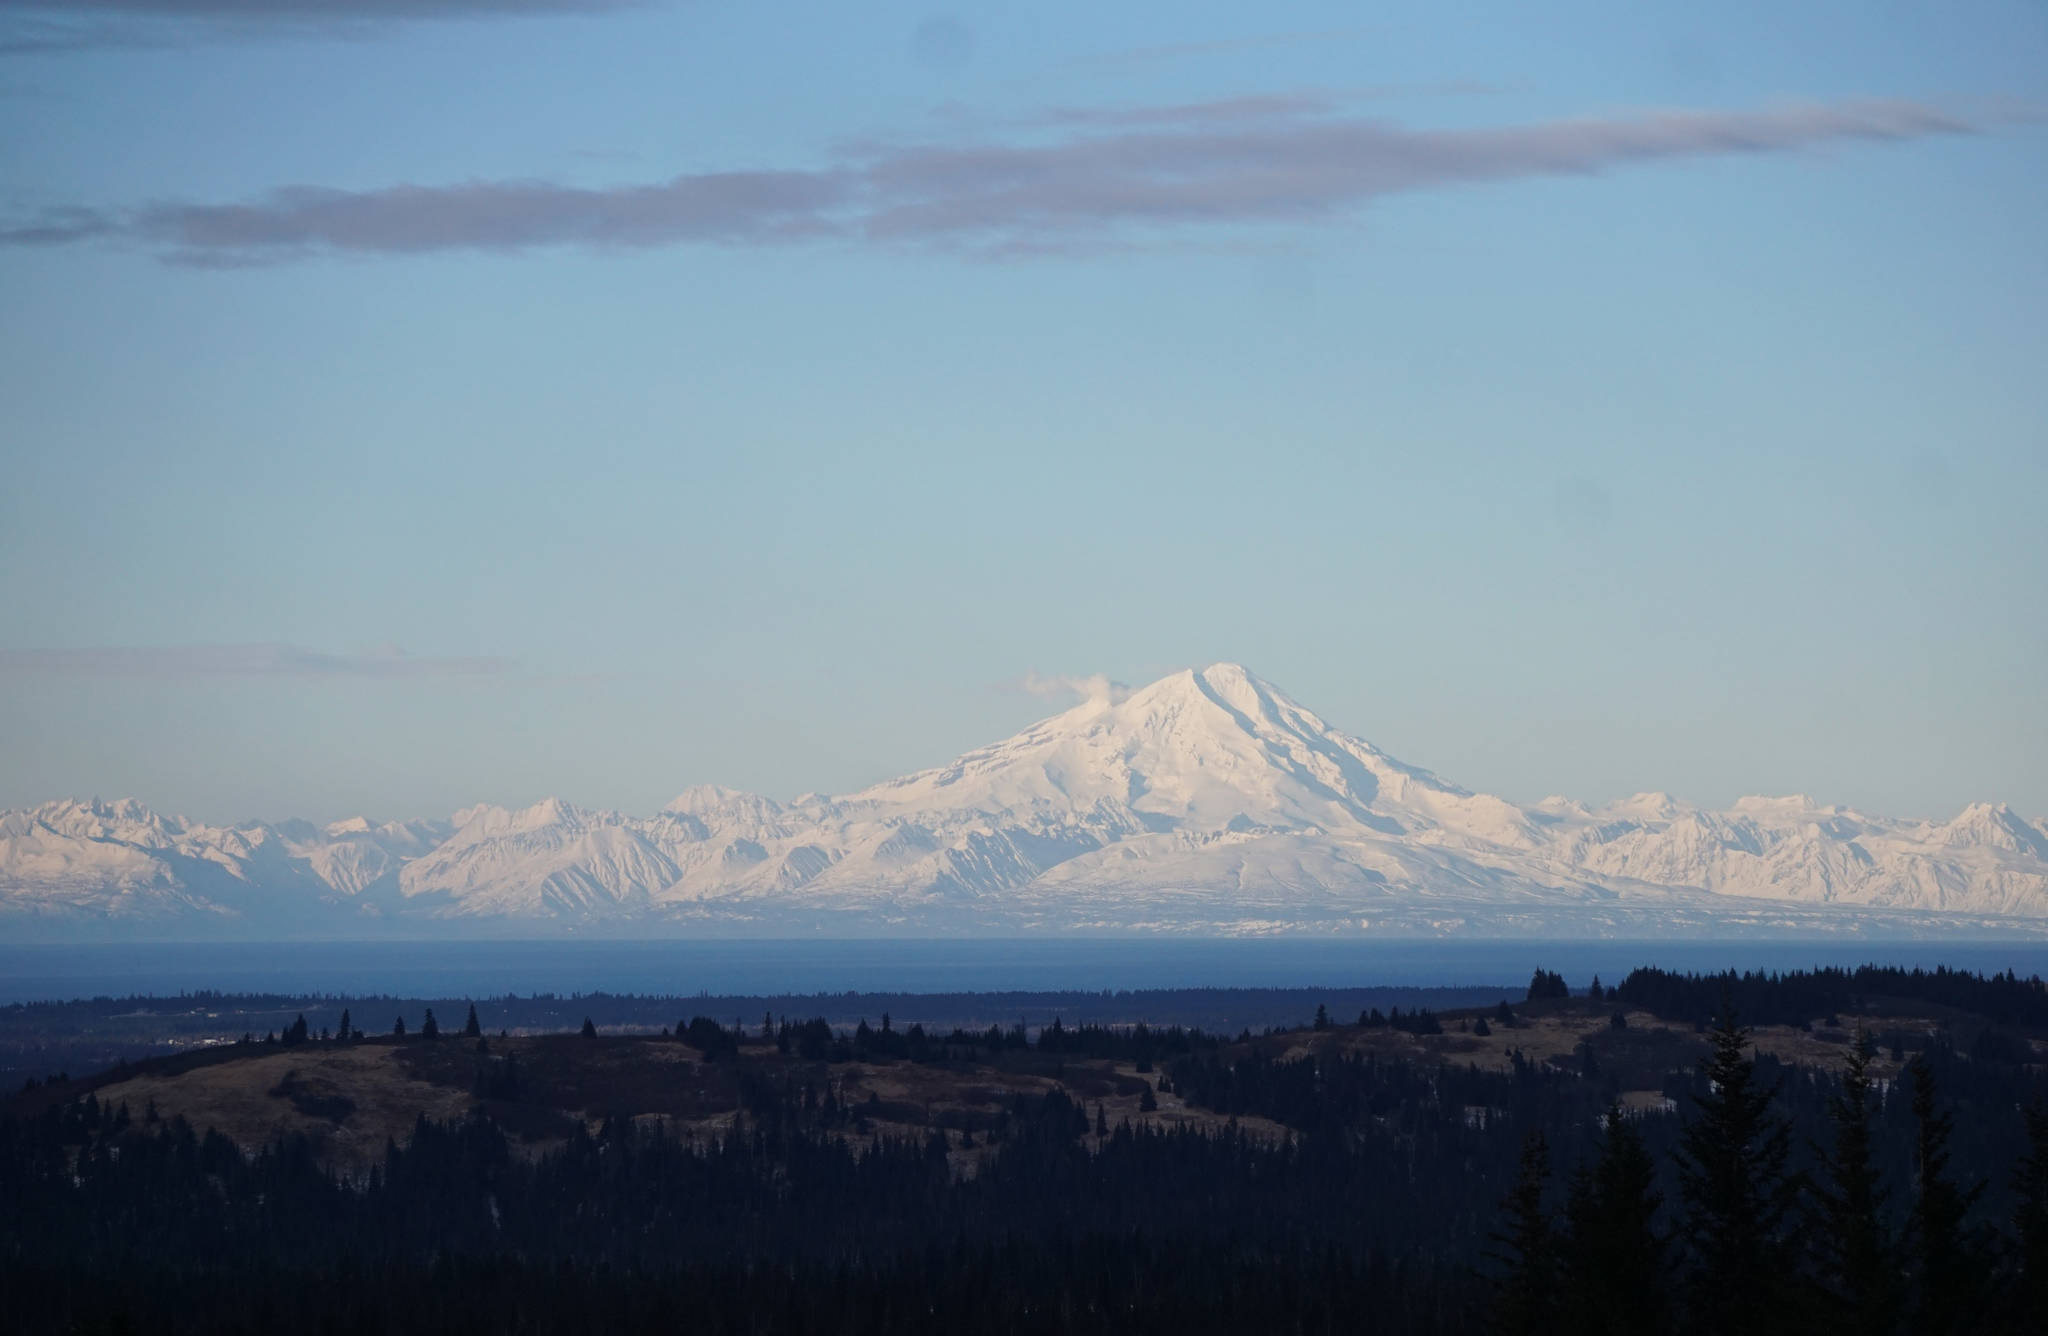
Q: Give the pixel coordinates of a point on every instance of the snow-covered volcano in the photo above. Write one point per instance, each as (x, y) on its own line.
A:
(1212, 749)
(1207, 802)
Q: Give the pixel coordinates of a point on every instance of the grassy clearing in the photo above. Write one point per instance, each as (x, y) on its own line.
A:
(257, 1099)
(348, 1099)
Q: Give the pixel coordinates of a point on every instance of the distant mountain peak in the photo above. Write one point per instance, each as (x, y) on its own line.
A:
(1788, 804)
(701, 798)
(1996, 826)
(1208, 801)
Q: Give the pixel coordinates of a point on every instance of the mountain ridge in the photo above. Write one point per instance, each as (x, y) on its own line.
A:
(1206, 802)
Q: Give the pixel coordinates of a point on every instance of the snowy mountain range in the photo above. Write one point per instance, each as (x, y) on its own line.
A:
(1207, 803)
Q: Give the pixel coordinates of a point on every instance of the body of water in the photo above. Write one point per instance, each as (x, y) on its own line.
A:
(486, 969)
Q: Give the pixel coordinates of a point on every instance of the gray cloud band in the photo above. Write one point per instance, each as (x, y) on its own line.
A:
(37, 27)
(1107, 190)
(310, 9)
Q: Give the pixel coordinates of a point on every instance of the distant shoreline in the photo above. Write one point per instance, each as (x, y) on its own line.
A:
(774, 967)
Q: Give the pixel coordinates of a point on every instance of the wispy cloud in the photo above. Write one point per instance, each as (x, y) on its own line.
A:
(34, 26)
(1095, 688)
(1309, 170)
(267, 660)
(56, 227)
(1183, 172)
(264, 10)
(731, 207)
(311, 8)
(29, 35)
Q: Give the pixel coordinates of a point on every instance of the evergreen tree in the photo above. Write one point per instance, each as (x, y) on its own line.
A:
(1595, 991)
(1525, 1291)
(342, 1031)
(429, 1027)
(1322, 1021)
(1853, 1250)
(470, 1028)
(398, 1027)
(1737, 1192)
(1613, 1269)
(2030, 1218)
(1950, 1281)
(589, 1028)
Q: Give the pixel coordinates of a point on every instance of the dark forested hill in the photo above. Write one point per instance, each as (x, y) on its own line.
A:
(1544, 1164)
(81, 1035)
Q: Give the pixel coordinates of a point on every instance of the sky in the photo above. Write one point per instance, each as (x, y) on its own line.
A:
(477, 400)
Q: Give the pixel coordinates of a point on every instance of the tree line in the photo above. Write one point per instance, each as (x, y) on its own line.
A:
(1802, 996)
(1425, 1195)
(1758, 1243)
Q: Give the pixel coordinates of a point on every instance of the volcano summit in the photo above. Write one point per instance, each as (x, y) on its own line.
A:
(1207, 803)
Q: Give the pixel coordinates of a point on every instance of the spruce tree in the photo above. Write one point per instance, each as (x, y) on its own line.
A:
(2030, 1218)
(398, 1028)
(1949, 1278)
(342, 1031)
(1853, 1251)
(470, 1028)
(1525, 1291)
(429, 1027)
(1614, 1267)
(589, 1028)
(1737, 1192)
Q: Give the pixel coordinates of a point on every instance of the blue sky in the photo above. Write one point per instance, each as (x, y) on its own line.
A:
(1575, 399)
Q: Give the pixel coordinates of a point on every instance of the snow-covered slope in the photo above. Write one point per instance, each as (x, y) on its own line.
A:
(1206, 802)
